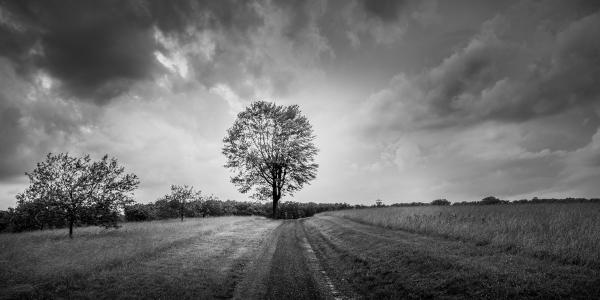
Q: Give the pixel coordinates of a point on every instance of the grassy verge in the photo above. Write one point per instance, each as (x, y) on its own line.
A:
(565, 232)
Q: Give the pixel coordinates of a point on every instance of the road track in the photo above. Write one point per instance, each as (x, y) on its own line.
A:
(287, 268)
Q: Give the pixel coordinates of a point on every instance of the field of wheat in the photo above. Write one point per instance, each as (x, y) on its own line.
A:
(564, 232)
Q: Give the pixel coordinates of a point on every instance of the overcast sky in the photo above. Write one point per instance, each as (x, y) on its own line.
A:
(409, 100)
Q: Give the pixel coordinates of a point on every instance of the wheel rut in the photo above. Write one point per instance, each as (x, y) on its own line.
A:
(287, 268)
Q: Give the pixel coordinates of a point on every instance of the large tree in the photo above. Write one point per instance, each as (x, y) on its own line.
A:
(79, 189)
(270, 149)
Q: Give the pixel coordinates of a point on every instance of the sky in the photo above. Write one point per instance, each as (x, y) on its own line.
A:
(410, 101)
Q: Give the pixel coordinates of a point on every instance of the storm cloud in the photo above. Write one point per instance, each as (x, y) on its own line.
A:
(519, 99)
(97, 49)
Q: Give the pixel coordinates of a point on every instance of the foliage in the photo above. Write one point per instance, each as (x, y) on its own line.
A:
(68, 190)
(270, 149)
(535, 200)
(440, 202)
(491, 200)
(180, 194)
(211, 206)
(139, 212)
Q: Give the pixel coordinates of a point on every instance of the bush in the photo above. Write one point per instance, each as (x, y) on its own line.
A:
(490, 200)
(5, 220)
(138, 212)
(440, 202)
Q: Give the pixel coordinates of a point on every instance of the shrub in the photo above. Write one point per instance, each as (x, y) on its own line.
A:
(440, 202)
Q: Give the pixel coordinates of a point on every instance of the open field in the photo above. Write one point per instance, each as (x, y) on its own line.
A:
(324, 257)
(564, 232)
(373, 262)
(198, 258)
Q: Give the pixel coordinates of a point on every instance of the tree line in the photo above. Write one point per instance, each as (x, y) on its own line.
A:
(68, 191)
(491, 200)
(211, 206)
(28, 216)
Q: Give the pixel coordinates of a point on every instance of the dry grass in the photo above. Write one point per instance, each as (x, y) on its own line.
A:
(564, 232)
(96, 260)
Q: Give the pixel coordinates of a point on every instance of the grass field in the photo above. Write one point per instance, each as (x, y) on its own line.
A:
(373, 262)
(565, 232)
(197, 258)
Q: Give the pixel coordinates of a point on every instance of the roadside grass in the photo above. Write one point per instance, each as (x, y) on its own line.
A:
(99, 262)
(568, 233)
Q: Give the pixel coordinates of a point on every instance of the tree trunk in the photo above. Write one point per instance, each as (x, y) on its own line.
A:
(71, 222)
(276, 197)
(181, 208)
(274, 208)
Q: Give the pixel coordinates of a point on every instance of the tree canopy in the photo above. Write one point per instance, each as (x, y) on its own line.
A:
(65, 188)
(270, 149)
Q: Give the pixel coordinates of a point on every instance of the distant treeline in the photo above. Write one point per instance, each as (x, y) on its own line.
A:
(213, 207)
(535, 200)
(491, 200)
(30, 217)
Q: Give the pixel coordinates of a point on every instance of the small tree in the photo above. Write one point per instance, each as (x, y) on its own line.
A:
(180, 195)
(270, 148)
(75, 188)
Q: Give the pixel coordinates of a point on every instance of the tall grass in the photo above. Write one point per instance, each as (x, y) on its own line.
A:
(565, 232)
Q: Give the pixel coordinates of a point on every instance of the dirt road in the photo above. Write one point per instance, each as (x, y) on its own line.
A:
(286, 268)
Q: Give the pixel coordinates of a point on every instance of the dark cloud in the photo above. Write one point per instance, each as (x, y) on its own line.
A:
(497, 77)
(33, 121)
(11, 135)
(93, 47)
(97, 49)
(386, 10)
(514, 110)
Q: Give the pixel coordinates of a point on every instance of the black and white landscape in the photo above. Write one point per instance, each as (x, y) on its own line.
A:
(311, 149)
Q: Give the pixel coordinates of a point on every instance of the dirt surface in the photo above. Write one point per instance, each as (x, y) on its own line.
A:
(287, 268)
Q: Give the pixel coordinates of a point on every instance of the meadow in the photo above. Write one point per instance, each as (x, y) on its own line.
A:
(195, 258)
(568, 233)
